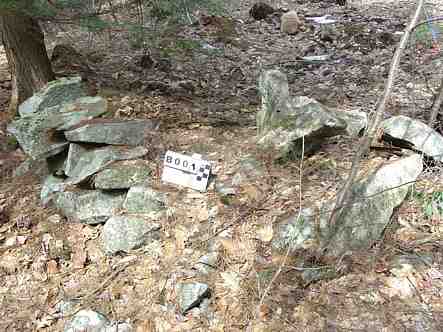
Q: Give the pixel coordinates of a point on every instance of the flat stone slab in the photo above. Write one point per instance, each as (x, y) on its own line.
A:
(126, 232)
(110, 131)
(82, 109)
(56, 93)
(422, 137)
(39, 134)
(89, 206)
(122, 175)
(83, 162)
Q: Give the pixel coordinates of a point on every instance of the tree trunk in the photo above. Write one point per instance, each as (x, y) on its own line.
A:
(28, 60)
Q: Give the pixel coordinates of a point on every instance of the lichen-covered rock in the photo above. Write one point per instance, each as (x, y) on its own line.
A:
(290, 126)
(89, 206)
(415, 133)
(112, 131)
(55, 94)
(123, 175)
(83, 162)
(40, 134)
(145, 200)
(50, 186)
(93, 321)
(362, 223)
(127, 232)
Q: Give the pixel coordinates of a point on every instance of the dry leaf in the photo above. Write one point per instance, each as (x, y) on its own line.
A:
(52, 267)
(265, 232)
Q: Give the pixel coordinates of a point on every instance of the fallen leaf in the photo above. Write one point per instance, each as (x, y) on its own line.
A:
(52, 267)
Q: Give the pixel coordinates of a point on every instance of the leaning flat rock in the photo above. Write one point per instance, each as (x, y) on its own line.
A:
(127, 232)
(422, 137)
(83, 162)
(122, 175)
(110, 131)
(89, 206)
(145, 200)
(40, 134)
(56, 93)
(362, 223)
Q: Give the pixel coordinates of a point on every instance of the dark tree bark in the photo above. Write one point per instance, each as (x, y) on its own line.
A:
(28, 60)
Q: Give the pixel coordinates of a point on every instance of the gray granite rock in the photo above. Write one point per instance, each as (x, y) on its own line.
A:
(56, 93)
(290, 126)
(127, 232)
(89, 206)
(415, 133)
(373, 199)
(83, 162)
(145, 200)
(191, 294)
(112, 131)
(123, 175)
(40, 134)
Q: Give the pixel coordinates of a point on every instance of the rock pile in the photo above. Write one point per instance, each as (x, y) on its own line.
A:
(95, 165)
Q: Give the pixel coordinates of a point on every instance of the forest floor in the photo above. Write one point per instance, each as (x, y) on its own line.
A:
(202, 86)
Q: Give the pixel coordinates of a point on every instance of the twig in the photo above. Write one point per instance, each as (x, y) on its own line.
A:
(345, 193)
(283, 263)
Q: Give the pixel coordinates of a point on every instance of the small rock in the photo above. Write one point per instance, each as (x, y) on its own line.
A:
(191, 294)
(124, 233)
(290, 22)
(260, 11)
(207, 263)
(145, 200)
(87, 320)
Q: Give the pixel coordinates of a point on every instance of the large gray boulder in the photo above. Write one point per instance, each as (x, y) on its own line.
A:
(362, 223)
(112, 131)
(127, 232)
(415, 133)
(290, 125)
(82, 162)
(55, 94)
(89, 206)
(40, 133)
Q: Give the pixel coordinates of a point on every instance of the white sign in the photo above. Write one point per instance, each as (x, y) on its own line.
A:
(186, 171)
